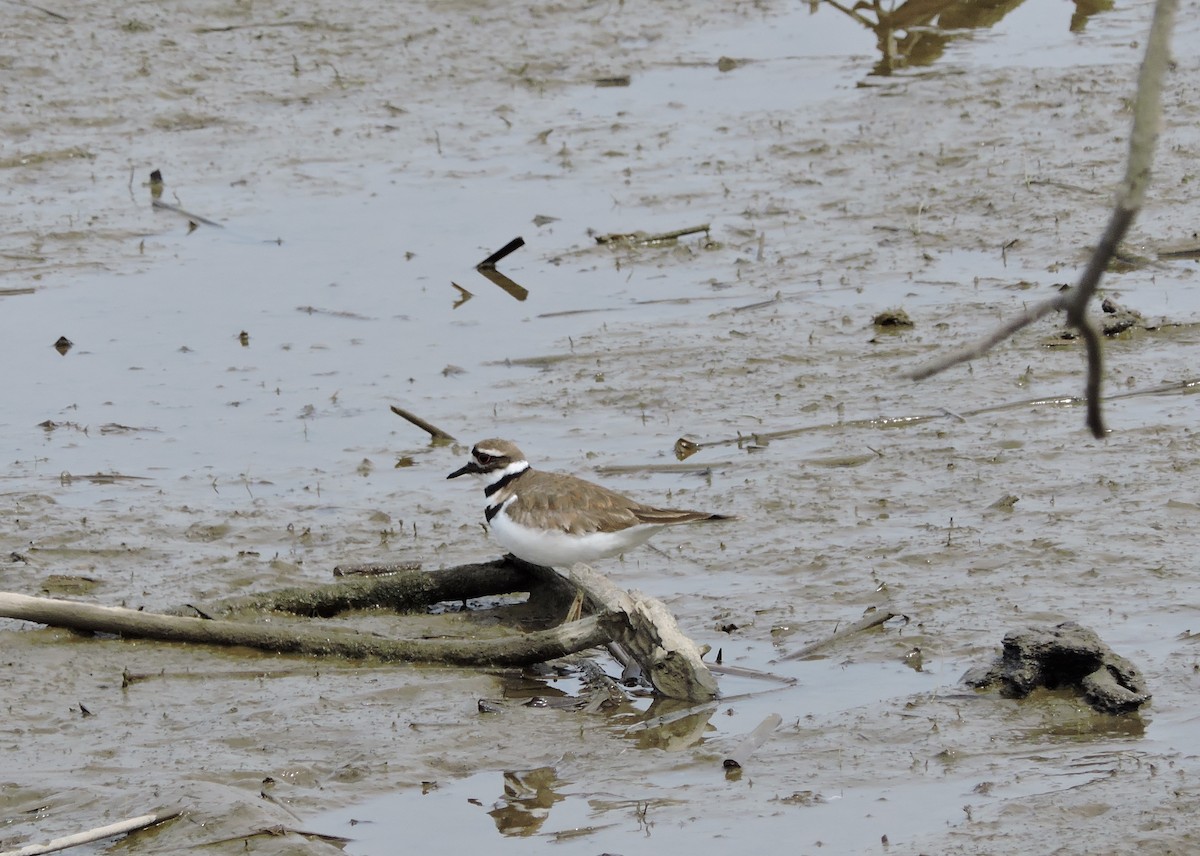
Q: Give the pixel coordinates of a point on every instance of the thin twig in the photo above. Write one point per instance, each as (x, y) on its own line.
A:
(175, 209)
(978, 349)
(642, 239)
(41, 9)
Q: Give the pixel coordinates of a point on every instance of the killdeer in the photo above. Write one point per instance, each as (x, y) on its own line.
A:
(554, 519)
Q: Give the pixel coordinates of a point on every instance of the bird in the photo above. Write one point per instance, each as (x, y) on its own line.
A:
(554, 519)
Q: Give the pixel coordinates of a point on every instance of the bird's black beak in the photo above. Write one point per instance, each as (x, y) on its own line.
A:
(471, 469)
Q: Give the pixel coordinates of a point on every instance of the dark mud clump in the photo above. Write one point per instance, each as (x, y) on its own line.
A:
(1065, 656)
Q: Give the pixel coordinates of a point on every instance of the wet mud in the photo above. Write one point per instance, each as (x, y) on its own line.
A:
(220, 423)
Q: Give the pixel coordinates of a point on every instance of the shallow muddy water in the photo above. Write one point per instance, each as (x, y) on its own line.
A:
(221, 422)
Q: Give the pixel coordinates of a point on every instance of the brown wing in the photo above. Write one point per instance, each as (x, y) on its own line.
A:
(571, 504)
(578, 507)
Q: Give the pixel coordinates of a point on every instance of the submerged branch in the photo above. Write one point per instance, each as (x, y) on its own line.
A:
(871, 619)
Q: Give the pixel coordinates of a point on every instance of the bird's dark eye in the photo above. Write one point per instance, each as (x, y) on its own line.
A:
(484, 458)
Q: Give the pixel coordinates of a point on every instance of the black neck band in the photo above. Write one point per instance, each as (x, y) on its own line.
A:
(503, 483)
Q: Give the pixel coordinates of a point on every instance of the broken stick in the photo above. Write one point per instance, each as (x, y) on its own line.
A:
(435, 433)
(871, 619)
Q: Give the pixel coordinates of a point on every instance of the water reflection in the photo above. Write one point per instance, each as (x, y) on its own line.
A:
(528, 797)
(513, 289)
(916, 33)
(672, 725)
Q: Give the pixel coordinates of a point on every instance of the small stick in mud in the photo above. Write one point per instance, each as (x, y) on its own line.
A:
(508, 249)
(46, 11)
(1147, 116)
(871, 619)
(755, 674)
(646, 240)
(750, 744)
(435, 433)
(98, 834)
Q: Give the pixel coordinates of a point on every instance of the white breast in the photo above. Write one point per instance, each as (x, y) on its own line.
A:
(556, 548)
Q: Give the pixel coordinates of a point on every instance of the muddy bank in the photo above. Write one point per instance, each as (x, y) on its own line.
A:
(360, 160)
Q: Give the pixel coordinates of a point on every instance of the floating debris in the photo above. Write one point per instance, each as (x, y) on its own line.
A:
(63, 345)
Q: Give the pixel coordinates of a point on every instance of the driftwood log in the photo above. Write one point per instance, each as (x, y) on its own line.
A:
(648, 632)
(399, 590)
(669, 659)
(517, 650)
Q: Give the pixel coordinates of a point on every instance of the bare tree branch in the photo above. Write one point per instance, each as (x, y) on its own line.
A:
(964, 355)
(1147, 114)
